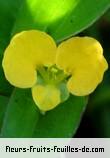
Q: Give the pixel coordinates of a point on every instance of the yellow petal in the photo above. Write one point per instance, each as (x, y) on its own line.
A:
(82, 57)
(18, 71)
(84, 82)
(46, 97)
(26, 51)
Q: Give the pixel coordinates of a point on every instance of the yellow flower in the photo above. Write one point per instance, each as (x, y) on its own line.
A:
(82, 58)
(32, 60)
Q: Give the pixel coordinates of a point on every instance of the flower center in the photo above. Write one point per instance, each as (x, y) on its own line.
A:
(52, 75)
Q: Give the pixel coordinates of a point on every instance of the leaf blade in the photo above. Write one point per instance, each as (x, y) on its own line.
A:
(8, 12)
(60, 18)
(63, 121)
(3, 105)
(21, 115)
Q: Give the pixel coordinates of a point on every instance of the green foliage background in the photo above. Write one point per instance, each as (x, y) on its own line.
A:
(19, 116)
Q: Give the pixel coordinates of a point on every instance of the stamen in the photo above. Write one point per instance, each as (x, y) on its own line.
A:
(52, 75)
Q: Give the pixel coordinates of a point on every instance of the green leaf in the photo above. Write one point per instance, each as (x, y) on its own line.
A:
(3, 106)
(63, 121)
(22, 118)
(21, 115)
(8, 11)
(60, 18)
